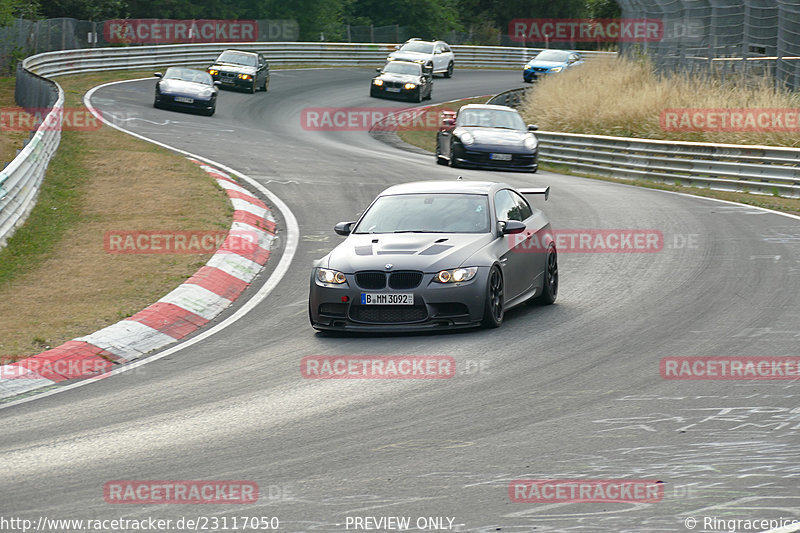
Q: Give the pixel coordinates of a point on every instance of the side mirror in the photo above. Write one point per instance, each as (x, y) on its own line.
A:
(532, 127)
(511, 227)
(449, 122)
(343, 228)
(158, 75)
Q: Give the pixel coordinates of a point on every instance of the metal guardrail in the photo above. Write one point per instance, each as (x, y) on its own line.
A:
(732, 167)
(21, 179)
(277, 53)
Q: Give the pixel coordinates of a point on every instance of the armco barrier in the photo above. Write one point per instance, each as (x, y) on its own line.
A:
(732, 167)
(21, 179)
(277, 53)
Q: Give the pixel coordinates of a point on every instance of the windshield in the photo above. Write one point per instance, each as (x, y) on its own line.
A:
(427, 213)
(403, 68)
(237, 58)
(552, 55)
(490, 118)
(187, 74)
(424, 48)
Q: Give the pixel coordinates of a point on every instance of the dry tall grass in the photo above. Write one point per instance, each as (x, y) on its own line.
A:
(624, 97)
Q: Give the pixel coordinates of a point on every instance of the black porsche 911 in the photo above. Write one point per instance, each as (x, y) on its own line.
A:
(487, 136)
(435, 255)
(403, 79)
(185, 88)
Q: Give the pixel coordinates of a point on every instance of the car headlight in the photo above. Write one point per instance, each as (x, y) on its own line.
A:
(326, 275)
(390, 58)
(419, 61)
(467, 138)
(531, 142)
(213, 72)
(379, 83)
(456, 275)
(245, 77)
(556, 69)
(410, 86)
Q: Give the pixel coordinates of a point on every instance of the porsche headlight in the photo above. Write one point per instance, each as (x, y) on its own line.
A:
(410, 86)
(326, 275)
(556, 69)
(530, 142)
(419, 61)
(390, 58)
(456, 275)
(467, 138)
(379, 83)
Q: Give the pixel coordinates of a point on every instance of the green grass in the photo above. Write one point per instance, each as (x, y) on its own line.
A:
(56, 210)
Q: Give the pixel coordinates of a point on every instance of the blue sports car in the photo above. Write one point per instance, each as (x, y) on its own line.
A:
(549, 62)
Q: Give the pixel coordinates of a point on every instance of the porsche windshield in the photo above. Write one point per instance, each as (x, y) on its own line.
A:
(427, 213)
(490, 118)
(186, 74)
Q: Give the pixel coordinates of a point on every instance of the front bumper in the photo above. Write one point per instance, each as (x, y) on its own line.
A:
(231, 80)
(168, 100)
(402, 93)
(480, 157)
(436, 306)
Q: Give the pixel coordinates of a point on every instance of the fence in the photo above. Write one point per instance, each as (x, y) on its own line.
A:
(760, 37)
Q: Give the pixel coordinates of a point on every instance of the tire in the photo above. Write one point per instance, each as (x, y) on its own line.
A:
(550, 284)
(453, 154)
(449, 72)
(493, 311)
(211, 111)
(253, 87)
(265, 87)
(418, 98)
(439, 159)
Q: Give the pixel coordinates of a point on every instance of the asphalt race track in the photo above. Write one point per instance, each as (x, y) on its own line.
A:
(571, 391)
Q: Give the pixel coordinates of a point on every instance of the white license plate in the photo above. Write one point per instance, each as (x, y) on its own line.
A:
(184, 99)
(379, 298)
(500, 157)
(393, 89)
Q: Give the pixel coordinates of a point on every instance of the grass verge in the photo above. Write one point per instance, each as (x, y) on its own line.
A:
(56, 280)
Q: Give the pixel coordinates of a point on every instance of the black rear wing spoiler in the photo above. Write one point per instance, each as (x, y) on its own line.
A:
(536, 190)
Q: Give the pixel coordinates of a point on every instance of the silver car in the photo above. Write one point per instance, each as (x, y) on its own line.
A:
(436, 255)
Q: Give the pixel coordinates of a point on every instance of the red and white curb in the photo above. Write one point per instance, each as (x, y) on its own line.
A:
(181, 312)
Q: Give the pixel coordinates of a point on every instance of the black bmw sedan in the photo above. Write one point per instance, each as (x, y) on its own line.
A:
(403, 79)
